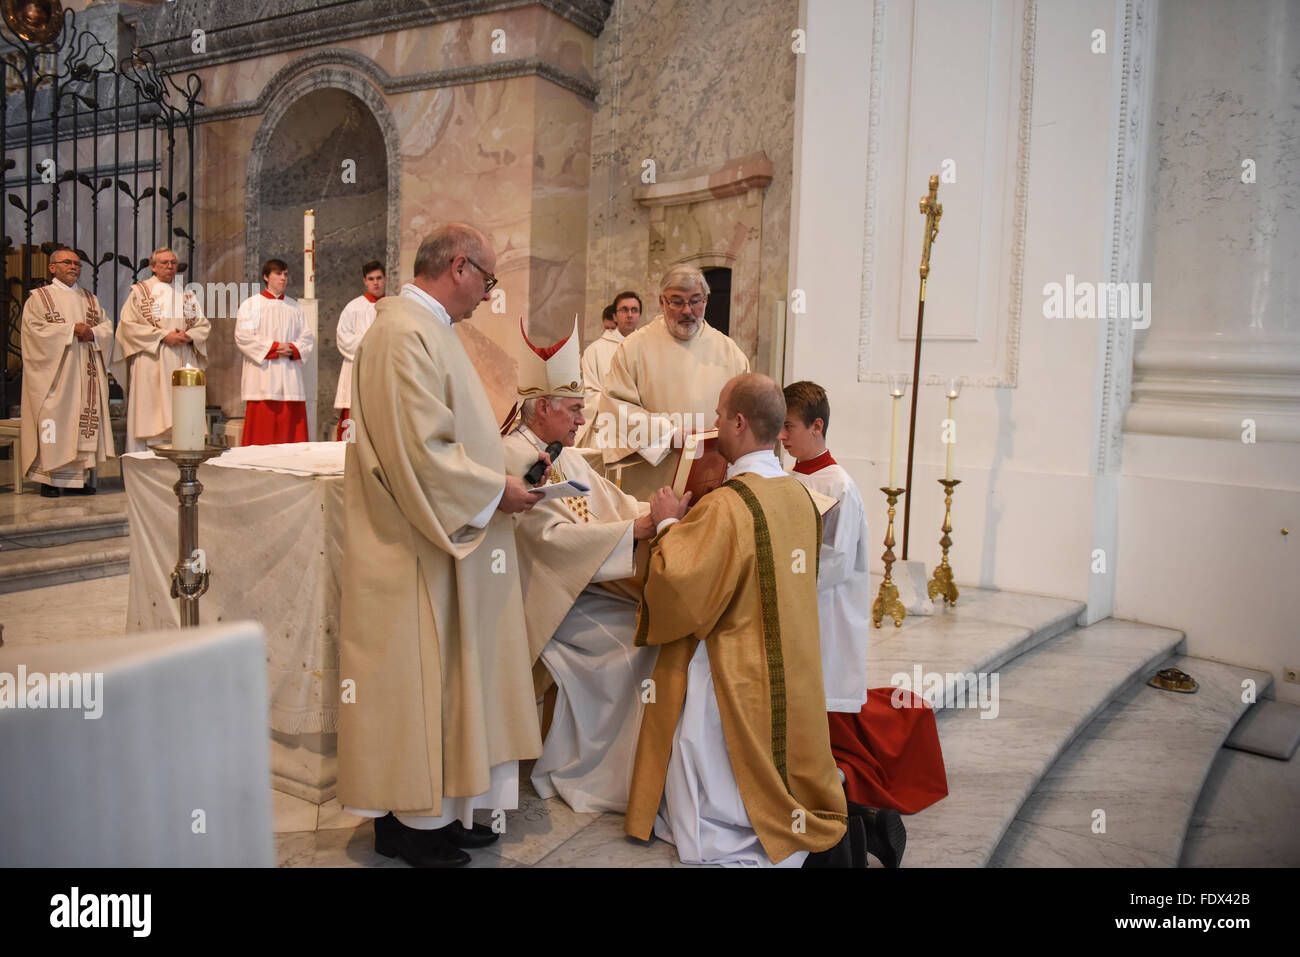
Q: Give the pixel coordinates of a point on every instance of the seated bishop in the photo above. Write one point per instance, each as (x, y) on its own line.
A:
(734, 762)
(576, 556)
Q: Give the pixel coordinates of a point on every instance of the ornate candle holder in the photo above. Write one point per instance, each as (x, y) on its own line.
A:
(190, 576)
(887, 602)
(942, 583)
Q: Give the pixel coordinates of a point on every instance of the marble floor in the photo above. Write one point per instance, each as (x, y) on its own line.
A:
(32, 508)
(1245, 816)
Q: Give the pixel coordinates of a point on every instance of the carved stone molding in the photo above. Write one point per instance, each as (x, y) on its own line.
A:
(1007, 376)
(278, 97)
(734, 177)
(1125, 240)
(389, 85)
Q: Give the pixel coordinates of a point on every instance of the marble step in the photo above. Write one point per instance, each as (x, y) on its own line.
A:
(1142, 762)
(983, 631)
(32, 521)
(62, 531)
(21, 569)
(1044, 699)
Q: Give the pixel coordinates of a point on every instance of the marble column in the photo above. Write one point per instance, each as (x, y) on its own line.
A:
(1223, 344)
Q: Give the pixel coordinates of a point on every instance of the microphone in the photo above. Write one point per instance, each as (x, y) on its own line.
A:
(534, 475)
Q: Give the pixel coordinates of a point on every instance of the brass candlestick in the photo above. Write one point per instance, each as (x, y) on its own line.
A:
(887, 602)
(942, 583)
(190, 576)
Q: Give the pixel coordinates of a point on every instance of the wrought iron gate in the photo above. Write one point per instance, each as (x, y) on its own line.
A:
(98, 155)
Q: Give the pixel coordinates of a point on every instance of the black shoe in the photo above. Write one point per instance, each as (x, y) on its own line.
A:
(49, 491)
(886, 835)
(418, 848)
(841, 855)
(479, 836)
(84, 490)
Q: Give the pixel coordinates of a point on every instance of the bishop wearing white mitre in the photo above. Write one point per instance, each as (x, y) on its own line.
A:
(576, 562)
(66, 342)
(162, 329)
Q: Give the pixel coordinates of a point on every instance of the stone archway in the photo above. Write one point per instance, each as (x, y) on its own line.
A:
(322, 146)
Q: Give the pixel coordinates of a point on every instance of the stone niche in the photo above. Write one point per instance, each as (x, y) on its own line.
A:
(301, 170)
(713, 219)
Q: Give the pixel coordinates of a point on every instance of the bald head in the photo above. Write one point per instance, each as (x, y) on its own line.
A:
(751, 411)
(444, 244)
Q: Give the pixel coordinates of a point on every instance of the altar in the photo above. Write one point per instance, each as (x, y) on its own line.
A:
(271, 533)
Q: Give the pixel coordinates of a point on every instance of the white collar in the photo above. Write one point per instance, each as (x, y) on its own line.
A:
(613, 335)
(62, 285)
(412, 291)
(762, 462)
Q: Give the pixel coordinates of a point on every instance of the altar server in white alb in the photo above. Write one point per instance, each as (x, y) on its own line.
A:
(620, 320)
(67, 340)
(354, 321)
(162, 329)
(576, 563)
(843, 581)
(272, 333)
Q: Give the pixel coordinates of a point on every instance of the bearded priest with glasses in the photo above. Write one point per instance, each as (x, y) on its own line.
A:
(663, 384)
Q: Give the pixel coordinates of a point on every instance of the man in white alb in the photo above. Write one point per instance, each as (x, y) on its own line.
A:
(623, 315)
(162, 329)
(67, 340)
(271, 331)
(353, 323)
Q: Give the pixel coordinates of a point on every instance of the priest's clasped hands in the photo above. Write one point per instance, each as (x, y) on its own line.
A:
(178, 337)
(82, 331)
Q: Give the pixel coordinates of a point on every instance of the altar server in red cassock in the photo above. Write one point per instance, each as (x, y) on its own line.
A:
(272, 333)
(889, 756)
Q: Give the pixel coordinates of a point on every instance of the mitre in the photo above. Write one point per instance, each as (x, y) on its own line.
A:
(551, 370)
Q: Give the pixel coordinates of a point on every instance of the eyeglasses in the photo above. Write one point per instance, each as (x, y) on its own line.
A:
(491, 279)
(628, 309)
(65, 262)
(167, 262)
(694, 303)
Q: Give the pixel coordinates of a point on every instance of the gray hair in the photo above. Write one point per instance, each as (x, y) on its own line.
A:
(683, 277)
(153, 256)
(528, 410)
(444, 244)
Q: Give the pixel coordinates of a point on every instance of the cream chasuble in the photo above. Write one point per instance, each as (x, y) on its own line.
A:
(655, 384)
(582, 631)
(153, 309)
(843, 590)
(595, 363)
(747, 698)
(432, 628)
(65, 424)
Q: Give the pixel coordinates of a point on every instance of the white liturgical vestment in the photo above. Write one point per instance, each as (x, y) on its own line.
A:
(843, 589)
(152, 310)
(261, 322)
(65, 425)
(595, 363)
(354, 321)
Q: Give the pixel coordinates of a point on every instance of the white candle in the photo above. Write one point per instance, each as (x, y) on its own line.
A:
(951, 435)
(309, 254)
(189, 412)
(893, 441)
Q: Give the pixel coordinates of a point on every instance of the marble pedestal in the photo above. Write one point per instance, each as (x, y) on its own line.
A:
(305, 765)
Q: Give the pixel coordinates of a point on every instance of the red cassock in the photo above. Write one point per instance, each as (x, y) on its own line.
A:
(344, 415)
(890, 756)
(273, 421)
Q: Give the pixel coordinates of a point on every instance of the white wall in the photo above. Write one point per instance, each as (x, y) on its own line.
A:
(1191, 526)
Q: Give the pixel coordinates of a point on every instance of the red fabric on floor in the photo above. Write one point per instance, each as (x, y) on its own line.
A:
(272, 421)
(890, 756)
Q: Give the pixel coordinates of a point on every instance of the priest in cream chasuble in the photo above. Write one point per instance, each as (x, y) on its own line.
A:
(577, 556)
(67, 341)
(734, 761)
(432, 633)
(662, 385)
(162, 329)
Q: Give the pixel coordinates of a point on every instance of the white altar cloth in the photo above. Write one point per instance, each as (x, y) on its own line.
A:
(271, 528)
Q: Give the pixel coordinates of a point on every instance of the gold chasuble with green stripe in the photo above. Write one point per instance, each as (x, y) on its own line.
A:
(740, 573)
